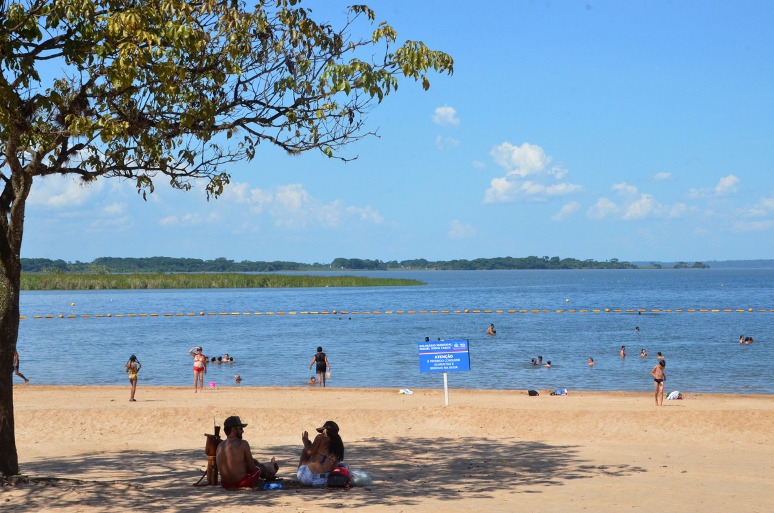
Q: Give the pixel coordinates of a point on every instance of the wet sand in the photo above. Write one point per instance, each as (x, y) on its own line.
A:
(90, 449)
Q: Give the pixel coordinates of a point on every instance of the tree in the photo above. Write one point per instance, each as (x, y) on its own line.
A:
(173, 89)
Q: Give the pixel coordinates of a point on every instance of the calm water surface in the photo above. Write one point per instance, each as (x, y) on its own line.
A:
(701, 349)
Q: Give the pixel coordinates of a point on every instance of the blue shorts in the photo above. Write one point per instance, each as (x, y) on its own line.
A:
(307, 478)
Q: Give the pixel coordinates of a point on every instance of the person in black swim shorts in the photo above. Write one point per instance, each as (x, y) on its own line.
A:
(16, 368)
(658, 381)
(321, 359)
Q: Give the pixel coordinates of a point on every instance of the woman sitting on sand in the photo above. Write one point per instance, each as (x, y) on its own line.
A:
(318, 458)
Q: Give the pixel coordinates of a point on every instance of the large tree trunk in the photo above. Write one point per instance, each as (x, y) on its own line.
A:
(9, 329)
(12, 202)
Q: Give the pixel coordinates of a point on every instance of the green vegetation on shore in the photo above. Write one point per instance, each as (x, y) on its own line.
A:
(80, 281)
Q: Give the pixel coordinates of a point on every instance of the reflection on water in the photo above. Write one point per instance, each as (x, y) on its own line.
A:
(701, 349)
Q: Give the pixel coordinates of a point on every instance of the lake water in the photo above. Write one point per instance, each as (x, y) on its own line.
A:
(701, 349)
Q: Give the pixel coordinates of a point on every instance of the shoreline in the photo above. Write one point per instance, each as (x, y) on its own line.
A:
(571, 391)
(87, 448)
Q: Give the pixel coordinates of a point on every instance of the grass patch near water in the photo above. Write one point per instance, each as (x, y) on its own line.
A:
(71, 281)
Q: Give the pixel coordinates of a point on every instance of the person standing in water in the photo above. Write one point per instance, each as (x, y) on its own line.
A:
(623, 352)
(133, 367)
(321, 359)
(16, 368)
(658, 381)
(199, 366)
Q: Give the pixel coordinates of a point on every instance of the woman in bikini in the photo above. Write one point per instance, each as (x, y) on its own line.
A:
(321, 359)
(133, 367)
(318, 458)
(199, 366)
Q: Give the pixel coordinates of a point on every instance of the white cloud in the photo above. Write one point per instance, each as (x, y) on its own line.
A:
(641, 208)
(445, 143)
(521, 162)
(635, 208)
(366, 214)
(566, 211)
(292, 206)
(502, 190)
(114, 209)
(726, 185)
(625, 190)
(478, 165)
(661, 177)
(63, 191)
(460, 231)
(603, 208)
(446, 116)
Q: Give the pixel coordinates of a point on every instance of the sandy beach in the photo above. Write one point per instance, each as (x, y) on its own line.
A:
(89, 449)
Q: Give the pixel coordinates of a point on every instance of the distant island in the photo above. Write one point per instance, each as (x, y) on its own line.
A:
(114, 265)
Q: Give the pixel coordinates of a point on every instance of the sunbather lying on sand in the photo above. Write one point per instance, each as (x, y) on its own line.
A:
(235, 461)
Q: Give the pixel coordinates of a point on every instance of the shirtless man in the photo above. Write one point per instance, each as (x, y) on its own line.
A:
(658, 381)
(491, 331)
(16, 368)
(235, 462)
(199, 366)
(622, 352)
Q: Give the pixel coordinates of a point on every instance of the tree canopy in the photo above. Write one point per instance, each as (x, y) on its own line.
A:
(174, 90)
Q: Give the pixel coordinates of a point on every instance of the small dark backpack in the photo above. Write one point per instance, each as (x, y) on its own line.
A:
(339, 477)
(532, 392)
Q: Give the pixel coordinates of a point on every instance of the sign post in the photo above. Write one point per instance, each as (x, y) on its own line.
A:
(444, 356)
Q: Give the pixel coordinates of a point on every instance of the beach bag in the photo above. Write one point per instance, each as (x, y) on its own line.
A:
(559, 391)
(339, 477)
(674, 395)
(532, 392)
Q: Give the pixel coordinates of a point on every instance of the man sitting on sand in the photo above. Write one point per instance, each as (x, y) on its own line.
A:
(235, 462)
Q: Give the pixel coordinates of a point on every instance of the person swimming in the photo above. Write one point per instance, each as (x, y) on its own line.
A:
(622, 352)
(591, 361)
(548, 364)
(312, 381)
(491, 331)
(741, 339)
(643, 353)
(237, 379)
(534, 362)
(540, 360)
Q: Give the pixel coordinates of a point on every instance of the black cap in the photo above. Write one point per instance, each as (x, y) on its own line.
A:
(232, 422)
(331, 426)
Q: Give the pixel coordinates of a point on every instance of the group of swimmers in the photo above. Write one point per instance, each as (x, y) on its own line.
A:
(539, 362)
(239, 469)
(745, 340)
(222, 359)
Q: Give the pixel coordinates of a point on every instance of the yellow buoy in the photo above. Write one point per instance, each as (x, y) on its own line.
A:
(566, 300)
(72, 304)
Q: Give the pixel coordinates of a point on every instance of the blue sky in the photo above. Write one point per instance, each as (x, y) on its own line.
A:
(630, 130)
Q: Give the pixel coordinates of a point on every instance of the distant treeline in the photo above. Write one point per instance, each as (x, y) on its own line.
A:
(531, 262)
(109, 265)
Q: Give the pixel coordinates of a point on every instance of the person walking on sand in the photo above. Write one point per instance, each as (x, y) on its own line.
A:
(16, 368)
(321, 359)
(199, 366)
(658, 381)
(133, 367)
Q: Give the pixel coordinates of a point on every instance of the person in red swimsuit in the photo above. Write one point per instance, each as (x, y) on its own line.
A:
(199, 366)
(237, 467)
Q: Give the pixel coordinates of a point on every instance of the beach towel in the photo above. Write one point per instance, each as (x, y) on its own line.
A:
(674, 395)
(559, 391)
